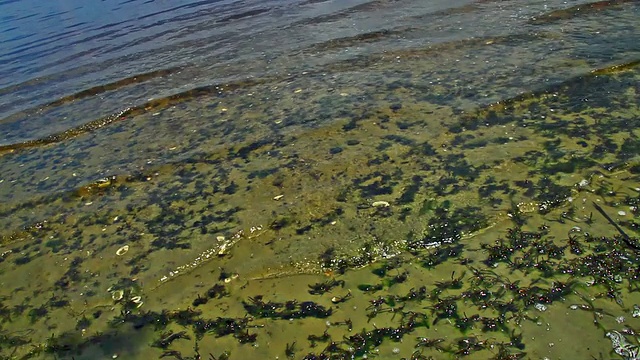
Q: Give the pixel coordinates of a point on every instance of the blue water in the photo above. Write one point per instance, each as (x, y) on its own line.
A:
(66, 63)
(53, 49)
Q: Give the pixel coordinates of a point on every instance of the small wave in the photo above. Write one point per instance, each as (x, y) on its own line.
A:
(149, 106)
(93, 91)
(578, 10)
(245, 14)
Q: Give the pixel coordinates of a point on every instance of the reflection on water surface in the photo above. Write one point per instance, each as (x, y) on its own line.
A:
(458, 182)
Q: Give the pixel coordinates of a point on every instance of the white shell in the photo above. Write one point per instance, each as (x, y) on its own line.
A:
(381, 204)
(117, 295)
(123, 250)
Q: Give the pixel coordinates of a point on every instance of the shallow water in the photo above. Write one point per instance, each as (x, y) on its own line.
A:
(150, 151)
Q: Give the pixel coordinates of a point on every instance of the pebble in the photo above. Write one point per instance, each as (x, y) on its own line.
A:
(335, 150)
(232, 277)
(540, 307)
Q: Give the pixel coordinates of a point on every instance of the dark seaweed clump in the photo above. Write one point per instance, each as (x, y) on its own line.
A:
(289, 310)
(447, 227)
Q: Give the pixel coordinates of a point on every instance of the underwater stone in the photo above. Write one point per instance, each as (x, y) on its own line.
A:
(335, 150)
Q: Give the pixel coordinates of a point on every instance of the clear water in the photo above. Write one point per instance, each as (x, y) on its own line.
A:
(156, 149)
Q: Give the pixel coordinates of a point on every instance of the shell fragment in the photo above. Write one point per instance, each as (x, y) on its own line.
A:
(123, 250)
(381, 204)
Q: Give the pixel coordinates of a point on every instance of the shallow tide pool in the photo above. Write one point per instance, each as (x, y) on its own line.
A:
(347, 180)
